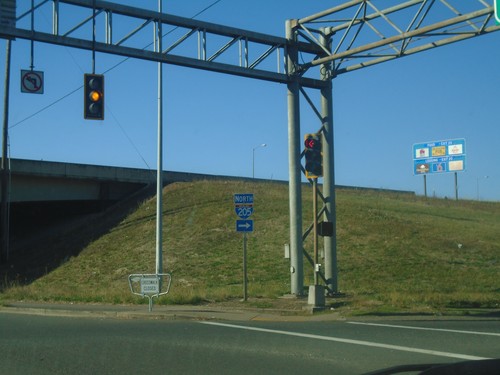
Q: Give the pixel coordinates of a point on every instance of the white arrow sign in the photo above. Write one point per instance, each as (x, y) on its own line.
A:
(244, 225)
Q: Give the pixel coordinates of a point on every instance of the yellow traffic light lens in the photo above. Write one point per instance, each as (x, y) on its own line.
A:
(95, 96)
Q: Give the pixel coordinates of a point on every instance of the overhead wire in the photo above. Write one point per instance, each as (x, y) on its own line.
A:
(107, 71)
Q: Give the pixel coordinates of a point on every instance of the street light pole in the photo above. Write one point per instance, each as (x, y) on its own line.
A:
(253, 157)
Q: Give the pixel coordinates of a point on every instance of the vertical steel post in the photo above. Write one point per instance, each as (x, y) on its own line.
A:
(32, 42)
(315, 230)
(55, 17)
(109, 27)
(330, 243)
(456, 186)
(93, 36)
(245, 278)
(295, 193)
(5, 164)
(159, 174)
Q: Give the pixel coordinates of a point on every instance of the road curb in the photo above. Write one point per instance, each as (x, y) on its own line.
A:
(180, 312)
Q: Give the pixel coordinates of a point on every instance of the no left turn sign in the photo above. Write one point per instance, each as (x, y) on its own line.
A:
(31, 82)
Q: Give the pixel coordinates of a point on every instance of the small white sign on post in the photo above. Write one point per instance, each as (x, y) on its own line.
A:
(150, 285)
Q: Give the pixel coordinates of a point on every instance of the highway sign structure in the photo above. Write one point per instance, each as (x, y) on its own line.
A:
(439, 156)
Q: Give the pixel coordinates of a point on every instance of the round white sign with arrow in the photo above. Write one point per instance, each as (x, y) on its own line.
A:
(31, 82)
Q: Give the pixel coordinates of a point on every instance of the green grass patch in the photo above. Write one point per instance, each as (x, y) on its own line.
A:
(396, 252)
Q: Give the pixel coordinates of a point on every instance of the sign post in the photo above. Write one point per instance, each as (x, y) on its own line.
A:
(243, 207)
(150, 285)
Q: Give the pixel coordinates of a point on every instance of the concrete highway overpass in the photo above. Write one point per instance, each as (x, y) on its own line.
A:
(43, 191)
(56, 208)
(42, 181)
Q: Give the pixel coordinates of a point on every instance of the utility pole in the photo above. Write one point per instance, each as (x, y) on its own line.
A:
(5, 162)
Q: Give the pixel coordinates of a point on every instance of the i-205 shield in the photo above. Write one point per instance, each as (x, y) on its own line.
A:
(244, 211)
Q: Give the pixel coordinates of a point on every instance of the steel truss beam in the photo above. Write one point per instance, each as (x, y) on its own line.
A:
(365, 34)
(351, 36)
(190, 43)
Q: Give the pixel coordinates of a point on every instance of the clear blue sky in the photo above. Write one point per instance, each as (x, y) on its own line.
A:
(379, 112)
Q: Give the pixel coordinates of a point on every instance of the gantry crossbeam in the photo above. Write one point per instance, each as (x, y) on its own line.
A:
(98, 26)
(364, 34)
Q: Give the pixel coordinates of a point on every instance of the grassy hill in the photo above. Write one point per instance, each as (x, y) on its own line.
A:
(396, 252)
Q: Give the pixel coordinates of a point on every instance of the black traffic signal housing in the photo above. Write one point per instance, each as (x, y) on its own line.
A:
(93, 96)
(313, 155)
(325, 229)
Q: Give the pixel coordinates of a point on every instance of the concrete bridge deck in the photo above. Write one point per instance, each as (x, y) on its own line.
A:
(36, 181)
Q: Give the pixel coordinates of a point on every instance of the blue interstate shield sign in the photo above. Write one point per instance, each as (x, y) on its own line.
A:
(243, 211)
(243, 205)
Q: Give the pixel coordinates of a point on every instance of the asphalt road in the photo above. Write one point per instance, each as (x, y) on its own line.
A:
(31, 344)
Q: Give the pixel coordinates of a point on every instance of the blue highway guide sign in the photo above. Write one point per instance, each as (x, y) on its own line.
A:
(439, 156)
(243, 199)
(243, 205)
(244, 225)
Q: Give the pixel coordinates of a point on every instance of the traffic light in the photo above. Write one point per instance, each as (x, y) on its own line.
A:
(93, 96)
(314, 158)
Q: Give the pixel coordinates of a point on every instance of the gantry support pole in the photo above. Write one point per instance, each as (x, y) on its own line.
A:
(295, 193)
(330, 243)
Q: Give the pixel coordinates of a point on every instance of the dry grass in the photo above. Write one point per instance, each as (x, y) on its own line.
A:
(396, 252)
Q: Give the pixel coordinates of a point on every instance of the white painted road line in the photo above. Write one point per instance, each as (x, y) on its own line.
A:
(350, 341)
(427, 329)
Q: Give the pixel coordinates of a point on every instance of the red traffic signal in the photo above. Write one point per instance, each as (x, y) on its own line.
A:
(313, 155)
(311, 142)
